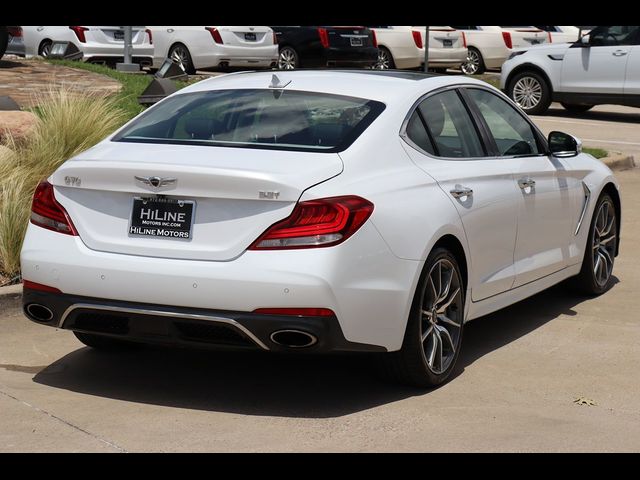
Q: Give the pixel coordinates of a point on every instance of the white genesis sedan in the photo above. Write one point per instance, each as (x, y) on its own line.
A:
(317, 211)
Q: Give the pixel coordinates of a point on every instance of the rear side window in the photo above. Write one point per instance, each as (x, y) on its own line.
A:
(256, 118)
(418, 134)
(450, 126)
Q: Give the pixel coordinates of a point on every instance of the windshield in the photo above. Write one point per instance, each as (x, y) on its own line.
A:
(256, 118)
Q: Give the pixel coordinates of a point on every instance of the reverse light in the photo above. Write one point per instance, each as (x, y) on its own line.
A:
(417, 38)
(324, 37)
(39, 287)
(317, 223)
(215, 34)
(79, 31)
(47, 213)
(374, 38)
(506, 36)
(298, 312)
(150, 35)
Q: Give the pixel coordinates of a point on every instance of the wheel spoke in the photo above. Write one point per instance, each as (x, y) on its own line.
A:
(444, 333)
(596, 266)
(439, 352)
(434, 347)
(447, 320)
(607, 240)
(433, 289)
(444, 293)
(427, 314)
(426, 334)
(442, 308)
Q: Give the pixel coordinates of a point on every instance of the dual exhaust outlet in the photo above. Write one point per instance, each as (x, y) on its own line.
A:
(39, 312)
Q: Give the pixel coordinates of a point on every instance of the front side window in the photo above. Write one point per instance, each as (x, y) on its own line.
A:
(512, 133)
(450, 126)
(613, 36)
(256, 118)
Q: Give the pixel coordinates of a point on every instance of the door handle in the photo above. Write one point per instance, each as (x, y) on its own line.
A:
(170, 30)
(526, 182)
(619, 53)
(459, 191)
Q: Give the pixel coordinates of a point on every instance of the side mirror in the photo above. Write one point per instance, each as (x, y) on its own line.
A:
(563, 145)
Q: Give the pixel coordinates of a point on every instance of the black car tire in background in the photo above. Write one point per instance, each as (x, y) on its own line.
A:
(4, 40)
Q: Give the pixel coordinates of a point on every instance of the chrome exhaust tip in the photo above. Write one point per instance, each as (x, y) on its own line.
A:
(293, 338)
(39, 312)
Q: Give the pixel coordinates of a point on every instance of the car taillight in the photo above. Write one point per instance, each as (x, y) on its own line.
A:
(549, 37)
(40, 287)
(317, 223)
(417, 38)
(298, 312)
(324, 37)
(464, 40)
(150, 35)
(79, 31)
(15, 31)
(215, 34)
(47, 213)
(374, 38)
(275, 38)
(506, 36)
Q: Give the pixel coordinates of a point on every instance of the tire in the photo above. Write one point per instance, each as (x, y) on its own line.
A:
(575, 108)
(530, 91)
(417, 363)
(104, 343)
(604, 229)
(288, 59)
(181, 55)
(385, 60)
(474, 64)
(45, 48)
(4, 40)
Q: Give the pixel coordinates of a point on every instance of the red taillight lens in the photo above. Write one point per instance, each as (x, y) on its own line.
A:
(317, 223)
(47, 213)
(298, 312)
(39, 287)
(79, 31)
(374, 38)
(15, 31)
(549, 37)
(464, 40)
(506, 36)
(275, 38)
(150, 35)
(417, 38)
(324, 37)
(215, 34)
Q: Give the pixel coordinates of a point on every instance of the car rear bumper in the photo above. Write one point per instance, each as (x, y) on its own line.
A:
(185, 326)
(368, 288)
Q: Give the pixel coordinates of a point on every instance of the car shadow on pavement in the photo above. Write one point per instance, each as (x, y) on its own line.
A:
(257, 383)
(622, 117)
(10, 64)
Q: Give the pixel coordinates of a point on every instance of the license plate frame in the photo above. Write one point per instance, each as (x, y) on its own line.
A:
(118, 35)
(250, 37)
(356, 41)
(160, 224)
(447, 43)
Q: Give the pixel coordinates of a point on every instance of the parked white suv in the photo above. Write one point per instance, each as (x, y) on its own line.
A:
(602, 68)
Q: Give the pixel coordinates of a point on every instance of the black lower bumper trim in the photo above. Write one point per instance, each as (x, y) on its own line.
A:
(186, 326)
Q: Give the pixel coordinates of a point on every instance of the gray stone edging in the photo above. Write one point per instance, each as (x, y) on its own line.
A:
(10, 290)
(619, 162)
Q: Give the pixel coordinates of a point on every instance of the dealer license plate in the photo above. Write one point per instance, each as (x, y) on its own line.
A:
(162, 218)
(356, 41)
(447, 43)
(250, 37)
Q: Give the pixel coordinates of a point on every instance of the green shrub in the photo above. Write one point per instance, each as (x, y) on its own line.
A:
(70, 123)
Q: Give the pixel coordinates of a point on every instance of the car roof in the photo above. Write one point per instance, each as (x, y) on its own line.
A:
(380, 85)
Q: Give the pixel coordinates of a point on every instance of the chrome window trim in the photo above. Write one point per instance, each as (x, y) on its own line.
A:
(161, 313)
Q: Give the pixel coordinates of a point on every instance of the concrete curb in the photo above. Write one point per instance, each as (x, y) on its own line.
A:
(619, 162)
(10, 290)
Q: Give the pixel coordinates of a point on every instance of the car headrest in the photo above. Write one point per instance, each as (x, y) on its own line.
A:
(434, 116)
(200, 128)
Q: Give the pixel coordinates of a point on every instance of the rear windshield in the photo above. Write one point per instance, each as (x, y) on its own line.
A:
(271, 119)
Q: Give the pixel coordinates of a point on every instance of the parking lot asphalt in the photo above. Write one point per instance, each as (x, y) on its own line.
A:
(611, 127)
(519, 385)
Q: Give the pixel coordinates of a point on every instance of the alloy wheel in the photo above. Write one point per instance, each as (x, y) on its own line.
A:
(45, 50)
(472, 65)
(527, 92)
(604, 243)
(287, 59)
(181, 57)
(383, 62)
(441, 316)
